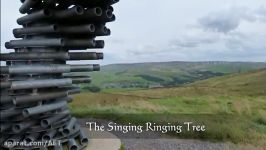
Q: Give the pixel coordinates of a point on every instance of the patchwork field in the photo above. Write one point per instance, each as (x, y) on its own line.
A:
(163, 74)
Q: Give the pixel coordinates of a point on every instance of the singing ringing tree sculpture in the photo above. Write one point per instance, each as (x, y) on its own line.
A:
(35, 89)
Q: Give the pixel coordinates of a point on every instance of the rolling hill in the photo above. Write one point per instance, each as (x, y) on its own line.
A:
(145, 75)
(250, 83)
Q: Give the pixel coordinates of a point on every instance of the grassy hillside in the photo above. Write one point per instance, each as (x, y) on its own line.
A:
(252, 83)
(233, 107)
(144, 75)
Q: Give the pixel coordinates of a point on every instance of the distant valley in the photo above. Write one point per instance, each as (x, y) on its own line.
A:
(163, 74)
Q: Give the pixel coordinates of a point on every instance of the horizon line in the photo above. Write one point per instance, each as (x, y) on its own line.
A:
(205, 61)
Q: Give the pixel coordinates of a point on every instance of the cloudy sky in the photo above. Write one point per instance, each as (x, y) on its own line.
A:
(176, 30)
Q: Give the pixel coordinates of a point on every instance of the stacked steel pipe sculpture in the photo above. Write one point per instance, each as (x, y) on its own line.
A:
(34, 88)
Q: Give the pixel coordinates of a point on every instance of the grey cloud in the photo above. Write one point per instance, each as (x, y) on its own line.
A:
(184, 43)
(195, 40)
(145, 49)
(229, 19)
(261, 14)
(225, 21)
(245, 42)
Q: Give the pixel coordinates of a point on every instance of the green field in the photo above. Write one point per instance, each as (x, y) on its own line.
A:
(145, 75)
(233, 107)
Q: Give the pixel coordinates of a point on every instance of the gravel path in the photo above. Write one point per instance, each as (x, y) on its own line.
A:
(145, 142)
(175, 144)
(182, 144)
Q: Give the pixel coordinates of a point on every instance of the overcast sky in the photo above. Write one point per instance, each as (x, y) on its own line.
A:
(176, 30)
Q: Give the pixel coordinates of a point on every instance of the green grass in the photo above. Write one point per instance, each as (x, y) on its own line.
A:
(232, 107)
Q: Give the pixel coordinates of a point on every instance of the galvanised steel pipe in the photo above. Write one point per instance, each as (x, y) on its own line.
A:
(71, 13)
(48, 121)
(35, 43)
(31, 137)
(5, 99)
(99, 44)
(5, 85)
(33, 69)
(107, 16)
(51, 69)
(72, 144)
(69, 126)
(59, 147)
(4, 127)
(84, 68)
(13, 139)
(35, 86)
(44, 108)
(73, 90)
(79, 43)
(10, 113)
(93, 12)
(27, 5)
(50, 14)
(102, 30)
(30, 84)
(79, 30)
(84, 56)
(36, 16)
(20, 32)
(19, 127)
(83, 138)
(24, 99)
(38, 97)
(79, 80)
(49, 135)
(95, 2)
(48, 55)
(87, 29)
